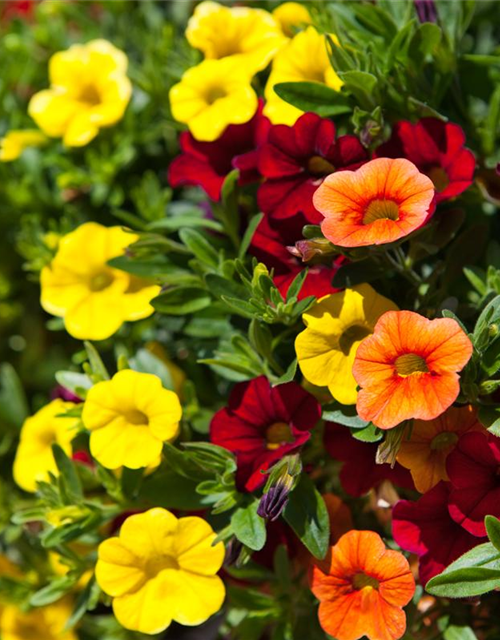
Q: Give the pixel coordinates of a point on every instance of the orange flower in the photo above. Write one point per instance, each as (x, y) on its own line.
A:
(432, 441)
(362, 588)
(408, 368)
(382, 201)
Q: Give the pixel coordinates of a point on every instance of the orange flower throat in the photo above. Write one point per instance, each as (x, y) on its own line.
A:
(410, 363)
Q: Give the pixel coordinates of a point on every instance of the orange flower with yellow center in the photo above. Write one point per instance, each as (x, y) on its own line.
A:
(362, 587)
(432, 441)
(382, 201)
(409, 368)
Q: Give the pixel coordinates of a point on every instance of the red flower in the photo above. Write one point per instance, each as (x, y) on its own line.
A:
(425, 527)
(261, 424)
(270, 247)
(437, 149)
(295, 160)
(360, 472)
(22, 9)
(475, 484)
(206, 164)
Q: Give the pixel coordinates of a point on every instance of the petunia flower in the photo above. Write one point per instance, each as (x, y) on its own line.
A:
(295, 160)
(213, 95)
(250, 36)
(303, 59)
(362, 587)
(130, 417)
(425, 453)
(335, 327)
(261, 424)
(162, 569)
(475, 484)
(89, 90)
(48, 622)
(356, 455)
(437, 149)
(93, 298)
(426, 528)
(206, 164)
(16, 141)
(381, 202)
(34, 458)
(409, 368)
(291, 17)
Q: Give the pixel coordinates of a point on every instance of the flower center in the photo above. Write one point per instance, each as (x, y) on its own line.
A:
(136, 417)
(361, 580)
(90, 95)
(319, 166)
(278, 434)
(409, 364)
(439, 177)
(159, 563)
(443, 441)
(101, 281)
(214, 94)
(354, 333)
(381, 210)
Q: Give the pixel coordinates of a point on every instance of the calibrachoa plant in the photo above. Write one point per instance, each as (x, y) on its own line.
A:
(250, 320)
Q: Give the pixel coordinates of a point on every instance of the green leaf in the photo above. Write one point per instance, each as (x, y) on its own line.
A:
(489, 417)
(424, 42)
(68, 472)
(345, 415)
(54, 591)
(200, 247)
(307, 514)
(459, 633)
(146, 362)
(493, 530)
(95, 361)
(289, 374)
(166, 488)
(249, 233)
(363, 86)
(220, 287)
(13, 404)
(354, 273)
(181, 301)
(296, 285)
(249, 527)
(73, 381)
(313, 96)
(369, 433)
(87, 601)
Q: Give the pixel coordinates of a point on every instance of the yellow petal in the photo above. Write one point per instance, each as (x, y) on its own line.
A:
(193, 547)
(123, 445)
(147, 610)
(150, 533)
(118, 570)
(52, 111)
(80, 130)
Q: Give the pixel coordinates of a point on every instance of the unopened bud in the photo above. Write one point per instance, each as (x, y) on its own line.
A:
(426, 10)
(306, 250)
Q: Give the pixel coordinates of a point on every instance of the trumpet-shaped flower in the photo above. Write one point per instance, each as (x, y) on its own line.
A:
(16, 141)
(409, 368)
(303, 59)
(251, 36)
(335, 327)
(292, 16)
(34, 458)
(93, 298)
(362, 587)
(89, 90)
(431, 442)
(382, 201)
(130, 417)
(44, 622)
(213, 95)
(162, 569)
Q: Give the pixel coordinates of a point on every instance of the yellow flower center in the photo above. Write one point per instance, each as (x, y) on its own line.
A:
(214, 94)
(439, 177)
(409, 364)
(136, 417)
(277, 434)
(381, 210)
(444, 440)
(318, 166)
(361, 580)
(90, 95)
(352, 334)
(159, 563)
(101, 281)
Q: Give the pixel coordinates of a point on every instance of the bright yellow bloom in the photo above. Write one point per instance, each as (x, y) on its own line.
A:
(213, 95)
(44, 623)
(93, 298)
(16, 141)
(89, 90)
(251, 35)
(336, 324)
(162, 569)
(303, 59)
(292, 16)
(130, 417)
(34, 458)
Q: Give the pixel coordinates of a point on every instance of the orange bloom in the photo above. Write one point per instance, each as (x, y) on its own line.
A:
(382, 201)
(408, 368)
(432, 441)
(362, 587)
(339, 515)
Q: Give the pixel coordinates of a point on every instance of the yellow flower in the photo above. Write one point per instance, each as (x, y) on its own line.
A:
(34, 458)
(291, 16)
(16, 141)
(93, 298)
(303, 59)
(213, 95)
(130, 417)
(253, 35)
(45, 623)
(336, 324)
(89, 90)
(162, 569)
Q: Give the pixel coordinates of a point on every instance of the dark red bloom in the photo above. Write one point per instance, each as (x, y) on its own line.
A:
(270, 247)
(261, 424)
(425, 527)
(475, 483)
(206, 164)
(437, 149)
(360, 472)
(22, 9)
(295, 160)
